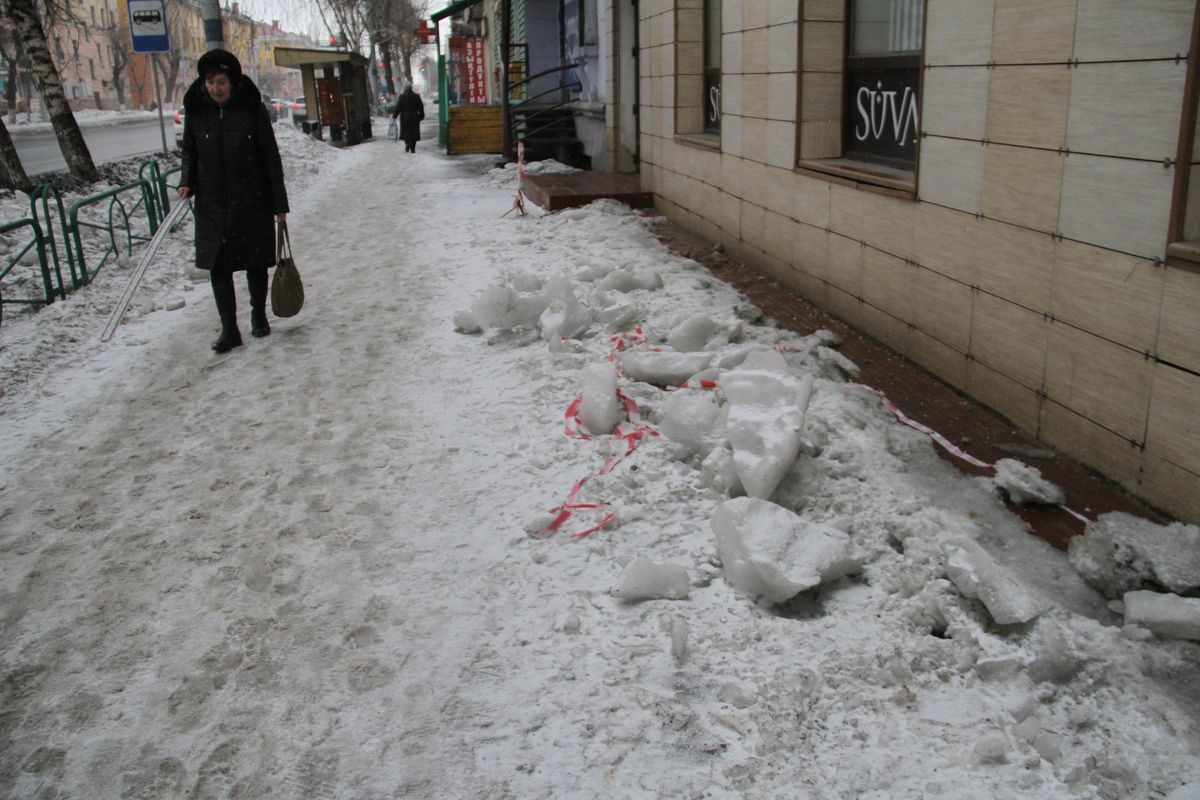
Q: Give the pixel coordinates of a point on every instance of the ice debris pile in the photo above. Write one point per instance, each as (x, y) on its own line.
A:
(1150, 571)
(730, 396)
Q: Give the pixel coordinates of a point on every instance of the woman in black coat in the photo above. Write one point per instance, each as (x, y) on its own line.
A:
(232, 169)
(410, 110)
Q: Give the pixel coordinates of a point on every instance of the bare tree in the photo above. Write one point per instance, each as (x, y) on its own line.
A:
(27, 19)
(12, 172)
(17, 68)
(120, 48)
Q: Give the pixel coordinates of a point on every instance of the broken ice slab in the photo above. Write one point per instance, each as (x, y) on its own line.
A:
(1120, 553)
(599, 411)
(770, 552)
(977, 575)
(645, 580)
(693, 419)
(662, 368)
(1165, 614)
(1025, 485)
(765, 426)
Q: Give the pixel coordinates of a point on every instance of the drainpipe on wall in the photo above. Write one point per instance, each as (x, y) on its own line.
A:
(506, 142)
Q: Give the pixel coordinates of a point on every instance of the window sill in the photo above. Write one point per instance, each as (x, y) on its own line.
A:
(709, 141)
(1185, 255)
(861, 175)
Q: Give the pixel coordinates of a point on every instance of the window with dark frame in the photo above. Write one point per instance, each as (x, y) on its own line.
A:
(712, 66)
(883, 60)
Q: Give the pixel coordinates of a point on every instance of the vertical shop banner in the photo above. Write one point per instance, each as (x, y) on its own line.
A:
(458, 76)
(476, 75)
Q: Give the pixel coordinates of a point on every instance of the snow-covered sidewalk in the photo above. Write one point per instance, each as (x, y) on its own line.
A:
(305, 568)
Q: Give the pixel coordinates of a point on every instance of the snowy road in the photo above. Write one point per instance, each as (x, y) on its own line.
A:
(299, 569)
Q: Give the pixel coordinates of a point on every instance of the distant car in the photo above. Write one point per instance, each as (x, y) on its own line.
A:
(179, 112)
(272, 109)
(299, 112)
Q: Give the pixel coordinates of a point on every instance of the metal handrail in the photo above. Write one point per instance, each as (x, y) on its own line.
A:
(522, 131)
(560, 68)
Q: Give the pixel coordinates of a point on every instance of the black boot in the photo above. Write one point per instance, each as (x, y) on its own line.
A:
(223, 293)
(257, 281)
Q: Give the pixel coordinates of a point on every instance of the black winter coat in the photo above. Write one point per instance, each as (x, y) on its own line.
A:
(410, 110)
(231, 163)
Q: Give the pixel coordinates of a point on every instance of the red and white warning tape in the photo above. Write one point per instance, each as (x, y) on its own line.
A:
(943, 442)
(632, 432)
(519, 200)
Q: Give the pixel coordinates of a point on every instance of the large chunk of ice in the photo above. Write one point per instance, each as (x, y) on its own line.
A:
(599, 410)
(662, 367)
(1025, 485)
(1119, 553)
(645, 580)
(765, 425)
(694, 419)
(977, 575)
(623, 280)
(770, 552)
(1165, 614)
(693, 333)
(501, 307)
(718, 473)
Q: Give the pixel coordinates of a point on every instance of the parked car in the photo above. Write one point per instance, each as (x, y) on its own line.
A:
(179, 112)
(299, 112)
(272, 109)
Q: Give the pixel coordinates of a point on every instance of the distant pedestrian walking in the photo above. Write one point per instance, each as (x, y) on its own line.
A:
(231, 166)
(410, 110)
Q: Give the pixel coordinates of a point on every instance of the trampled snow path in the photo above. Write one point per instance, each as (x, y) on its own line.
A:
(297, 570)
(271, 570)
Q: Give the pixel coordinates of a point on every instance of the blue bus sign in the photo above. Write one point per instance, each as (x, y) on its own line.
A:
(148, 26)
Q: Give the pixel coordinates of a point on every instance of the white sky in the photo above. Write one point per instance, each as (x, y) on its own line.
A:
(301, 569)
(295, 16)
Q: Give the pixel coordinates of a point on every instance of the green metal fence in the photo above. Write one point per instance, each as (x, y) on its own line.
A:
(117, 219)
(35, 243)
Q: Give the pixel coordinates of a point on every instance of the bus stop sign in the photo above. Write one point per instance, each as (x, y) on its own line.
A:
(148, 26)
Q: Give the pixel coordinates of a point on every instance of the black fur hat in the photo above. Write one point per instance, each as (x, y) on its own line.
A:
(219, 61)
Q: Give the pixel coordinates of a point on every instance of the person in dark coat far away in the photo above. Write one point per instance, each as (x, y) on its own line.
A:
(233, 172)
(410, 110)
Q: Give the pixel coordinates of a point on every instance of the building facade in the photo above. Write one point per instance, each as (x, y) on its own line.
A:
(1000, 190)
(83, 50)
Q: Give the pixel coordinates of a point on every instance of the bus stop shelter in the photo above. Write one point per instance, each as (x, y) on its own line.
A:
(336, 91)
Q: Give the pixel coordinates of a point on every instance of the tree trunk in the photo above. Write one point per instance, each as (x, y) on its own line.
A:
(70, 139)
(12, 172)
(387, 68)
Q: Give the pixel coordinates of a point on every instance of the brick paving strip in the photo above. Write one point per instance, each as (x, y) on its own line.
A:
(928, 400)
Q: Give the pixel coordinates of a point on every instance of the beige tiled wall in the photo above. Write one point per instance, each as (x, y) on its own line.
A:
(1028, 268)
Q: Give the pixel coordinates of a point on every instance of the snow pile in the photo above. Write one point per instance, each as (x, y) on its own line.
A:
(1120, 553)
